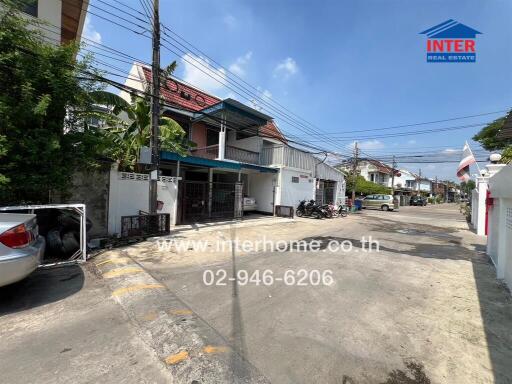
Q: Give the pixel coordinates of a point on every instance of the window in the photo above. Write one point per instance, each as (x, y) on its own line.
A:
(30, 7)
(295, 179)
(212, 137)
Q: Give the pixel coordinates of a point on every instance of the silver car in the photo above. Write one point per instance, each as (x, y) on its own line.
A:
(21, 247)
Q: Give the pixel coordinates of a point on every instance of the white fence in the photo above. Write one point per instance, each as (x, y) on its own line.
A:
(499, 240)
(129, 194)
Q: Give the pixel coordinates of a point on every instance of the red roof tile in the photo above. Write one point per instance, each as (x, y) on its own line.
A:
(177, 93)
(192, 99)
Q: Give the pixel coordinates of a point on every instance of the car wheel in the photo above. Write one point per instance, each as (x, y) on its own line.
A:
(385, 208)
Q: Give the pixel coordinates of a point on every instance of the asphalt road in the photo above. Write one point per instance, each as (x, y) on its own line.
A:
(425, 308)
(61, 326)
(427, 305)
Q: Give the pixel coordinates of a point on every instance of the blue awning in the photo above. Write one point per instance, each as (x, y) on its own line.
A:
(199, 161)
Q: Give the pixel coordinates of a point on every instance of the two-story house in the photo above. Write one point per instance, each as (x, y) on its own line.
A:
(240, 154)
(420, 184)
(63, 20)
(373, 170)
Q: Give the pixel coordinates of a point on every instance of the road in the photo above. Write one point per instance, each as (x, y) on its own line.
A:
(426, 306)
(428, 299)
(61, 326)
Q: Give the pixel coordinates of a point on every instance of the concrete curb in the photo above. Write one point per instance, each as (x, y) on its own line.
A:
(191, 349)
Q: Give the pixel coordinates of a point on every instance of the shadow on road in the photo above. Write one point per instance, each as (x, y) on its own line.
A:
(237, 324)
(494, 297)
(42, 287)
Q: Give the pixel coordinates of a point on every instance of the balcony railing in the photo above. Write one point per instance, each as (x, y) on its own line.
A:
(287, 156)
(231, 153)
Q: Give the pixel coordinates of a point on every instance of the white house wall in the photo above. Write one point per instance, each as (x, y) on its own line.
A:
(252, 144)
(290, 193)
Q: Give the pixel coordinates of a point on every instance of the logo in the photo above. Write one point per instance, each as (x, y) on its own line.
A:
(451, 42)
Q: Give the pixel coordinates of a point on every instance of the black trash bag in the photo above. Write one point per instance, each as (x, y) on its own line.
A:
(71, 221)
(70, 243)
(53, 242)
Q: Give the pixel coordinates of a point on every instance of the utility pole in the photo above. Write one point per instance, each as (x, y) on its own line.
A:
(155, 110)
(393, 176)
(354, 172)
(435, 192)
(419, 182)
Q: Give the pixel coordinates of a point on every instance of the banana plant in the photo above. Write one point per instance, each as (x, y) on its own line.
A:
(128, 129)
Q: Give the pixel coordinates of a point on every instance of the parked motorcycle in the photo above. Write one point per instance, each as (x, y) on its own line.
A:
(310, 209)
(336, 210)
(342, 210)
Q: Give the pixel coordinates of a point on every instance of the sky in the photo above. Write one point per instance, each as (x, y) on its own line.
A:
(342, 66)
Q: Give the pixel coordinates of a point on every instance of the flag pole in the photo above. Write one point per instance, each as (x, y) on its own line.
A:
(476, 162)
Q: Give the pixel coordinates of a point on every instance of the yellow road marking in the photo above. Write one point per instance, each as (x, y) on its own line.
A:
(178, 357)
(134, 288)
(121, 271)
(181, 312)
(213, 349)
(113, 260)
(104, 262)
(150, 316)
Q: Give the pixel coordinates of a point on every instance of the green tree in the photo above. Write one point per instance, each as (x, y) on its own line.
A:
(43, 98)
(128, 128)
(489, 139)
(467, 186)
(366, 187)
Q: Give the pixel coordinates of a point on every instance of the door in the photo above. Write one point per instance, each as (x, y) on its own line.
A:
(194, 200)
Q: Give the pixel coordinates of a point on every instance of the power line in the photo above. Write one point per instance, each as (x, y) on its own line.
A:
(390, 135)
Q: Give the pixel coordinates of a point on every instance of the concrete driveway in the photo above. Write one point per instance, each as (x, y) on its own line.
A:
(426, 308)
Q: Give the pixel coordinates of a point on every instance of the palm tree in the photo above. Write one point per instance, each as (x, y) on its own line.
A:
(128, 129)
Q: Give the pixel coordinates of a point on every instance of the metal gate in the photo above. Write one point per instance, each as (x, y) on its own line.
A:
(325, 192)
(205, 201)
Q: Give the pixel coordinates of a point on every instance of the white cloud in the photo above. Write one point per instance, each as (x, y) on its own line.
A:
(230, 21)
(411, 142)
(369, 144)
(201, 74)
(238, 67)
(90, 32)
(264, 96)
(451, 152)
(286, 68)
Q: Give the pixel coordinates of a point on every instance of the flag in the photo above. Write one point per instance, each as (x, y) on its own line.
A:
(467, 160)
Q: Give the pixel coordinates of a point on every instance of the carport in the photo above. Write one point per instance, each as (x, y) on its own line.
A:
(211, 190)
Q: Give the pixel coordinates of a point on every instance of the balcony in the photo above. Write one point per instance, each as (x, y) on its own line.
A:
(287, 156)
(231, 153)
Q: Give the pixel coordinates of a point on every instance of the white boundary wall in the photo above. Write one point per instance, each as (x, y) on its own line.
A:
(478, 196)
(129, 193)
(499, 241)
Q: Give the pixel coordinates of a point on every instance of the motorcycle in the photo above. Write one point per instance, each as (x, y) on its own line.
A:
(310, 209)
(342, 210)
(335, 210)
